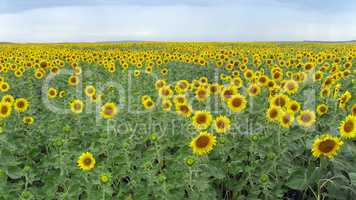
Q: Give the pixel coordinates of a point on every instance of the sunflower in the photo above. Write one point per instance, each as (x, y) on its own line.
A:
(21, 104)
(39, 74)
(214, 88)
(73, 80)
(76, 106)
(236, 81)
(227, 92)
(291, 86)
(5, 110)
(90, 90)
(222, 124)
(165, 92)
(109, 110)
(253, 90)
(353, 110)
(203, 143)
(8, 99)
(137, 73)
(273, 113)
(182, 86)
(4, 86)
(237, 103)
(86, 161)
(159, 84)
(52, 93)
(322, 109)
(28, 120)
(180, 99)
(306, 118)
(166, 105)
(344, 99)
(293, 106)
(164, 71)
(348, 127)
(148, 104)
(184, 110)
(202, 94)
(62, 93)
(280, 100)
(202, 119)
(286, 119)
(326, 145)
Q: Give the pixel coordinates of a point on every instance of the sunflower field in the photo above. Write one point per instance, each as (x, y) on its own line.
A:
(167, 120)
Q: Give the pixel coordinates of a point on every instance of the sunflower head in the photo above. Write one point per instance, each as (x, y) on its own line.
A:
(90, 91)
(202, 119)
(306, 118)
(184, 110)
(5, 109)
(348, 127)
(28, 120)
(222, 124)
(86, 161)
(322, 109)
(326, 145)
(203, 143)
(21, 104)
(76, 106)
(237, 103)
(109, 110)
(52, 92)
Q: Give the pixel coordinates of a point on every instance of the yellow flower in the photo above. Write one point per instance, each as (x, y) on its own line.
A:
(326, 145)
(184, 110)
(5, 110)
(291, 86)
(306, 118)
(8, 99)
(348, 127)
(273, 113)
(165, 92)
(62, 93)
(202, 94)
(4, 87)
(73, 80)
(180, 99)
(76, 106)
(322, 109)
(202, 119)
(286, 119)
(280, 100)
(28, 120)
(182, 86)
(109, 110)
(52, 93)
(253, 90)
(148, 104)
(293, 106)
(21, 104)
(203, 143)
(222, 124)
(90, 91)
(86, 161)
(166, 105)
(237, 103)
(159, 84)
(227, 92)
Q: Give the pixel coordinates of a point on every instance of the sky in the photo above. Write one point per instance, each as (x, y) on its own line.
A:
(173, 20)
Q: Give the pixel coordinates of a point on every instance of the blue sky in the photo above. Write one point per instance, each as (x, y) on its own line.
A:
(187, 20)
